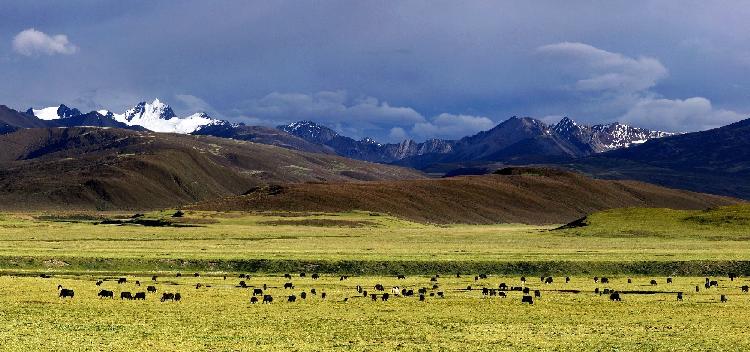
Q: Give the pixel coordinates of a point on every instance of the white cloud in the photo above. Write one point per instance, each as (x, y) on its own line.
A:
(32, 42)
(690, 114)
(397, 134)
(332, 107)
(622, 85)
(601, 70)
(451, 126)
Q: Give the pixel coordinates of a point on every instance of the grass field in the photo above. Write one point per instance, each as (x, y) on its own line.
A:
(642, 244)
(221, 317)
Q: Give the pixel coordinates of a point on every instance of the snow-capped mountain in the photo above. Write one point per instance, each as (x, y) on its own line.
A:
(54, 112)
(155, 116)
(605, 137)
(159, 117)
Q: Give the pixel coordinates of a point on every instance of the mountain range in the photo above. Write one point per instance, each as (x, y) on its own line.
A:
(714, 161)
(515, 140)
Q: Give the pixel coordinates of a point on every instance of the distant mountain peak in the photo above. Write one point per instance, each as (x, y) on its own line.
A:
(156, 110)
(54, 112)
(310, 131)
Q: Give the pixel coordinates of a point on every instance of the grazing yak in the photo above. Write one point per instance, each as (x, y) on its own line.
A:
(288, 276)
(567, 279)
(106, 294)
(744, 288)
(615, 296)
(679, 296)
(421, 298)
(126, 295)
(384, 297)
(604, 280)
(723, 298)
(323, 295)
(153, 278)
(253, 300)
(151, 289)
(258, 292)
(303, 295)
(315, 276)
(714, 283)
(292, 298)
(653, 283)
(122, 280)
(64, 292)
(166, 296)
(527, 299)
(669, 280)
(267, 299)
(99, 283)
(537, 293)
(548, 280)
(288, 285)
(379, 287)
(140, 295)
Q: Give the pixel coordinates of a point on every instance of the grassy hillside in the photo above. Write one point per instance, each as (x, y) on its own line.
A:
(94, 168)
(367, 243)
(523, 196)
(723, 223)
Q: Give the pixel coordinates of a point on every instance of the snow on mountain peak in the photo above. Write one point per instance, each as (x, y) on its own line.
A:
(55, 112)
(159, 117)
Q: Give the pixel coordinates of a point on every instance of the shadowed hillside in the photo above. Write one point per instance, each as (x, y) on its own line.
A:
(524, 195)
(95, 168)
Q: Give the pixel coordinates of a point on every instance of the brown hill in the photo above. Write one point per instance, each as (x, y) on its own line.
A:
(97, 168)
(534, 196)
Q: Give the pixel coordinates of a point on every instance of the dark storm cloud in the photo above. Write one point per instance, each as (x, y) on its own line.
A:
(389, 69)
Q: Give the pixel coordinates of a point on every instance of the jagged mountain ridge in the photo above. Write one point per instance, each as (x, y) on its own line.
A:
(514, 140)
(365, 149)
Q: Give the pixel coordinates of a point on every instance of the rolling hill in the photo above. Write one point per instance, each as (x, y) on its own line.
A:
(107, 168)
(517, 195)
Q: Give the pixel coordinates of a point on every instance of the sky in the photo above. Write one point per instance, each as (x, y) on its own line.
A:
(386, 69)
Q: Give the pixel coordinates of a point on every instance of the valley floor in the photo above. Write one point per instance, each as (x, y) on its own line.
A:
(76, 250)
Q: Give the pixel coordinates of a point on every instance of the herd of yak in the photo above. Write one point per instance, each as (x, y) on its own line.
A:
(396, 291)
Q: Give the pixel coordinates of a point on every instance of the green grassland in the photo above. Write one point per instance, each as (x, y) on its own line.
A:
(640, 241)
(643, 244)
(220, 317)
